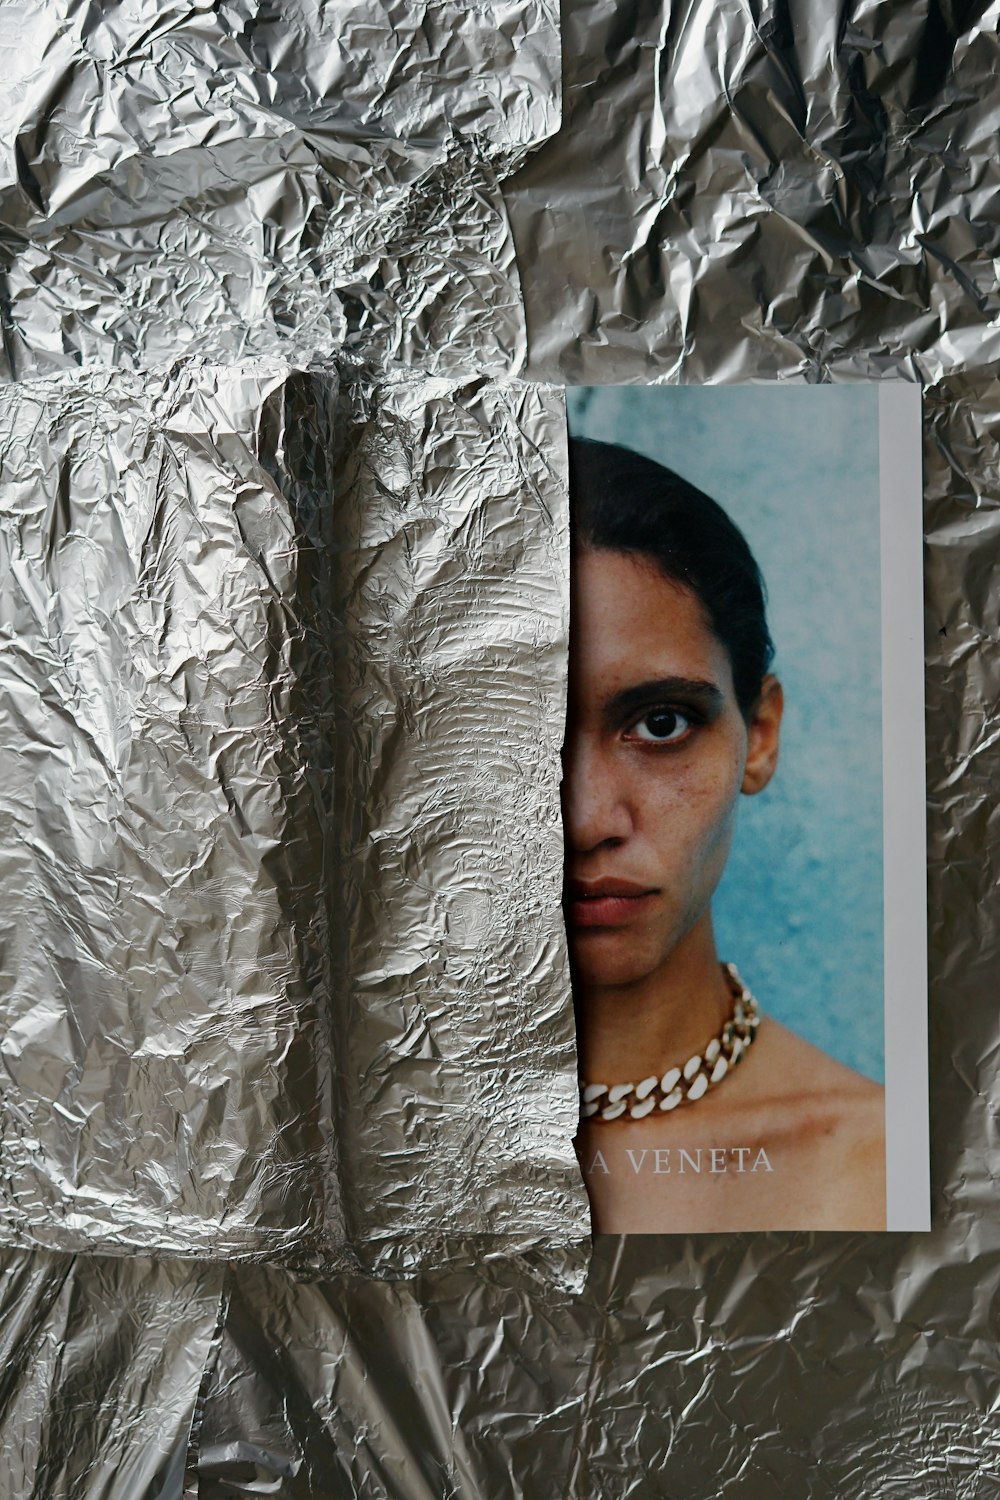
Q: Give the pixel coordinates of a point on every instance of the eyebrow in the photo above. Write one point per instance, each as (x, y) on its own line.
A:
(696, 691)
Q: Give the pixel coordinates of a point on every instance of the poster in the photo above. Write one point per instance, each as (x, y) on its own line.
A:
(743, 803)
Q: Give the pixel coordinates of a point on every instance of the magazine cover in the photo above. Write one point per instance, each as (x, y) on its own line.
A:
(742, 799)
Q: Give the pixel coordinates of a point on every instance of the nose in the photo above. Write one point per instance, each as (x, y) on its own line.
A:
(596, 810)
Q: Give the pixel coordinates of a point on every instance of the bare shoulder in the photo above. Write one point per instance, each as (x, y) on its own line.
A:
(796, 1065)
(832, 1121)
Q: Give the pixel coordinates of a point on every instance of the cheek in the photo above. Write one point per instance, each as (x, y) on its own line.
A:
(692, 811)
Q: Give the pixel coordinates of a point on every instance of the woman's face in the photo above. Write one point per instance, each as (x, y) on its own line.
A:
(657, 753)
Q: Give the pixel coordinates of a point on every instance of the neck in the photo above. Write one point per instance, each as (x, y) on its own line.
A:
(628, 1031)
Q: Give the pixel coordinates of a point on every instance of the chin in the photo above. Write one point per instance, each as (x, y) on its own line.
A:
(593, 968)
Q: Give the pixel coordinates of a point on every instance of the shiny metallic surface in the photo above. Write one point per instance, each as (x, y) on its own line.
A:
(740, 1365)
(284, 953)
(777, 190)
(454, 1094)
(103, 1366)
(251, 179)
(260, 1003)
(162, 924)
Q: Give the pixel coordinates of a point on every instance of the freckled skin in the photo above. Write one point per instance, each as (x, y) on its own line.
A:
(661, 814)
(651, 788)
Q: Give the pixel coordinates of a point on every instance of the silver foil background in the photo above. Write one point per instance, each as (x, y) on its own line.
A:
(283, 939)
(238, 179)
(454, 1095)
(765, 191)
(161, 928)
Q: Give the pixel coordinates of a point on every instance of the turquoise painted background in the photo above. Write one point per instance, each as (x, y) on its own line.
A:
(800, 907)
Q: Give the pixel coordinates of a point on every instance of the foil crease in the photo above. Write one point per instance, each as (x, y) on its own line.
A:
(236, 180)
(776, 190)
(162, 927)
(104, 1363)
(738, 1366)
(281, 977)
(454, 1057)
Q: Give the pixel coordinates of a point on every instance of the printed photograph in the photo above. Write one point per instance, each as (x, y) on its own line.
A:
(729, 865)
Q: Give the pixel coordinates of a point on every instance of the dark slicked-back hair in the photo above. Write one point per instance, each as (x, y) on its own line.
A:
(625, 503)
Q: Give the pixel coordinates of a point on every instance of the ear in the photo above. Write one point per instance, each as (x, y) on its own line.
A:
(763, 730)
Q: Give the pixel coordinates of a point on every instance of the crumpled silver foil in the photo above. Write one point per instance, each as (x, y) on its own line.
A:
(716, 1366)
(162, 927)
(454, 1088)
(284, 962)
(776, 190)
(103, 1365)
(246, 179)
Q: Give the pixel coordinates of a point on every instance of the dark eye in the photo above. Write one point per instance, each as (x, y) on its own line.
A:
(662, 726)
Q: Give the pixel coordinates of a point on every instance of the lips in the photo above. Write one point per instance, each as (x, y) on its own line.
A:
(607, 902)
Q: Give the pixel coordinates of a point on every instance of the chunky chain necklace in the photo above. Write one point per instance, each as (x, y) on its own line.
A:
(680, 1085)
